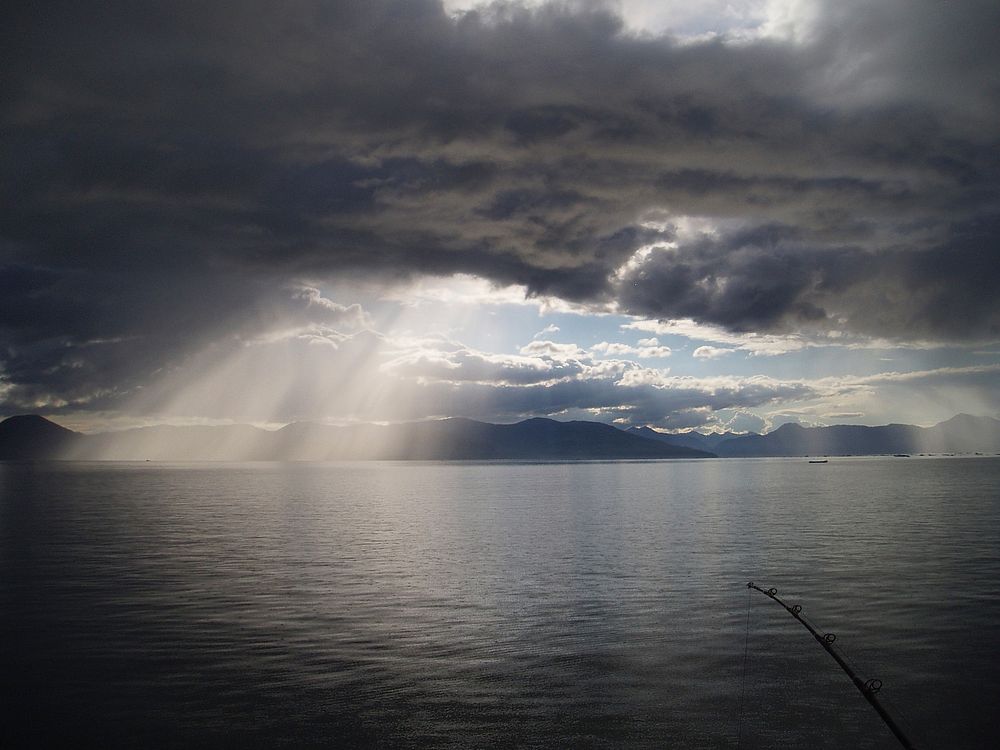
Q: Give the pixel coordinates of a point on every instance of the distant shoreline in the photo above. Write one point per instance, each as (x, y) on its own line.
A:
(33, 437)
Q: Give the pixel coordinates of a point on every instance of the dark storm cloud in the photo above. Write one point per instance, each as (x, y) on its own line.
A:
(770, 277)
(168, 166)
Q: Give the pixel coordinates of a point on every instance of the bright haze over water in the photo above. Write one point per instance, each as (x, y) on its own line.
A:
(549, 605)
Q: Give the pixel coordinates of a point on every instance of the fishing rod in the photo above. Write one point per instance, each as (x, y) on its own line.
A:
(869, 688)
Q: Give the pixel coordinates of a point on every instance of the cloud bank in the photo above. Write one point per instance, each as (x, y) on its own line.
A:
(171, 171)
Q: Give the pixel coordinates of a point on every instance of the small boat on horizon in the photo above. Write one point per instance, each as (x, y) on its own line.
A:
(817, 460)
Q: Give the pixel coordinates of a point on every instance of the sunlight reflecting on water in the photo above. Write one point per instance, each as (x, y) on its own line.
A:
(575, 604)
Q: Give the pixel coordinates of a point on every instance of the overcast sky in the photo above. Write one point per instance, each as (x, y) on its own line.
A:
(713, 215)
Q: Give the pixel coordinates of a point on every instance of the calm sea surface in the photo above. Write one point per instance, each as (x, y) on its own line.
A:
(498, 604)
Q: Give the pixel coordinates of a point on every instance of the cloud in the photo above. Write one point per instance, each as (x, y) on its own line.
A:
(321, 309)
(551, 328)
(743, 421)
(647, 349)
(170, 170)
(317, 371)
(629, 400)
(552, 349)
(753, 343)
(323, 374)
(922, 397)
(467, 366)
(772, 278)
(938, 375)
(710, 352)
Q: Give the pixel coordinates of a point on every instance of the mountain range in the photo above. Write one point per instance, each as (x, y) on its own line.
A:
(960, 434)
(34, 437)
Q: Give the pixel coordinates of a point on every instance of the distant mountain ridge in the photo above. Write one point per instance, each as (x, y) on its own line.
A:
(33, 437)
(696, 440)
(960, 434)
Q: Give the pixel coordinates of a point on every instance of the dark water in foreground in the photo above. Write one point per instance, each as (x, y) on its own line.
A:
(503, 604)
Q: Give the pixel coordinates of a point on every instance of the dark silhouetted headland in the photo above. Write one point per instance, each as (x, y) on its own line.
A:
(30, 436)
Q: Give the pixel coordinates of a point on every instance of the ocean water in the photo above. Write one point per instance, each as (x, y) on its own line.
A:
(498, 604)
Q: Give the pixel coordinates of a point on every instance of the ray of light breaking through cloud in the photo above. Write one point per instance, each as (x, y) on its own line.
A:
(641, 212)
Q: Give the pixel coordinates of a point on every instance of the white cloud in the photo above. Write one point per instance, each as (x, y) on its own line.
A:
(744, 421)
(753, 343)
(474, 291)
(552, 349)
(940, 374)
(323, 310)
(645, 350)
(710, 352)
(645, 376)
(772, 345)
(686, 19)
(458, 289)
(923, 397)
(469, 366)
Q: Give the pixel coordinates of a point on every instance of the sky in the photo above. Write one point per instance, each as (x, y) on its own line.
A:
(716, 215)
